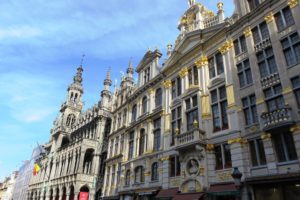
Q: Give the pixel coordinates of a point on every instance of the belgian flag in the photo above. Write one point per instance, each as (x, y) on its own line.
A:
(37, 168)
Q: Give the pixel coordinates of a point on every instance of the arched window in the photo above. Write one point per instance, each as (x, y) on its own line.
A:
(144, 104)
(88, 160)
(142, 142)
(154, 172)
(124, 116)
(134, 111)
(127, 177)
(139, 176)
(158, 97)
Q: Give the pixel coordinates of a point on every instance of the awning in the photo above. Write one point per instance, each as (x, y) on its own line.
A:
(223, 189)
(189, 196)
(167, 193)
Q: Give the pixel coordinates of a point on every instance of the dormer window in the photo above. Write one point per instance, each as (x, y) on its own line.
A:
(215, 65)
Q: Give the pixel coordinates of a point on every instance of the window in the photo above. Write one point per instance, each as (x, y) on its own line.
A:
(296, 87)
(253, 4)
(215, 65)
(249, 107)
(124, 116)
(127, 177)
(274, 98)
(219, 107)
(240, 45)
(158, 97)
(291, 49)
(134, 112)
(118, 174)
(223, 156)
(142, 142)
(116, 145)
(284, 146)
(244, 73)
(174, 166)
(107, 175)
(284, 18)
(113, 174)
(139, 174)
(111, 147)
(144, 105)
(191, 112)
(147, 75)
(193, 76)
(176, 123)
(176, 87)
(70, 120)
(260, 32)
(266, 62)
(156, 134)
(257, 152)
(119, 120)
(131, 143)
(122, 143)
(154, 172)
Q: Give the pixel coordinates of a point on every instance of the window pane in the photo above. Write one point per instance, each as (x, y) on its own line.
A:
(264, 30)
(288, 16)
(195, 75)
(224, 114)
(297, 52)
(248, 76)
(236, 47)
(290, 59)
(254, 158)
(214, 96)
(243, 43)
(227, 156)
(261, 152)
(255, 34)
(279, 21)
(178, 86)
(211, 67)
(222, 92)
(220, 66)
(290, 146)
(218, 155)
(279, 148)
(172, 166)
(216, 117)
(241, 79)
(195, 102)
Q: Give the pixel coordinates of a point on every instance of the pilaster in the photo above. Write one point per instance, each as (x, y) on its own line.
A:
(269, 151)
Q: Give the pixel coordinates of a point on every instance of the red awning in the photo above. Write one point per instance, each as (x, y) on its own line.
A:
(189, 196)
(222, 188)
(167, 193)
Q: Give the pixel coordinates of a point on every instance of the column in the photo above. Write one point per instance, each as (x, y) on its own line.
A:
(81, 159)
(237, 158)
(149, 136)
(183, 75)
(270, 154)
(151, 103)
(164, 172)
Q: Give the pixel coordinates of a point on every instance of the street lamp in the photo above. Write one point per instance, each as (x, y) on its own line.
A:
(237, 175)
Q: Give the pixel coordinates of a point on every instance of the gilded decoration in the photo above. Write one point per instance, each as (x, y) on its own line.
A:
(202, 61)
(147, 174)
(151, 91)
(226, 46)
(295, 128)
(201, 170)
(266, 136)
(260, 100)
(167, 84)
(165, 158)
(230, 95)
(210, 147)
(247, 32)
(183, 72)
(269, 18)
(287, 90)
(293, 3)
(195, 124)
(205, 107)
(237, 140)
(220, 6)
(226, 176)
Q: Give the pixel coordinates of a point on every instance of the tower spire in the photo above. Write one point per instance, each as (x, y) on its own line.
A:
(130, 69)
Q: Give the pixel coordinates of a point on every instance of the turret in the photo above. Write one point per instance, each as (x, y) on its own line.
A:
(106, 94)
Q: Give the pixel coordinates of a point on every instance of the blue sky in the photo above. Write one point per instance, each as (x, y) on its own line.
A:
(41, 43)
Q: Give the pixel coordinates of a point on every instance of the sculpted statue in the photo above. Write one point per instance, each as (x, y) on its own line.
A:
(193, 167)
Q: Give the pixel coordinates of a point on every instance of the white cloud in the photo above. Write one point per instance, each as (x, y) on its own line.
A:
(19, 32)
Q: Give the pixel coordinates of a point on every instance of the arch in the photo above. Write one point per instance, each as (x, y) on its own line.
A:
(64, 193)
(72, 191)
(57, 194)
(51, 194)
(127, 177)
(154, 171)
(65, 141)
(88, 160)
(144, 104)
(158, 97)
(84, 189)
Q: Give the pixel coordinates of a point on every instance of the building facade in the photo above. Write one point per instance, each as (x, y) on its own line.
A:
(25, 174)
(73, 162)
(8, 186)
(226, 97)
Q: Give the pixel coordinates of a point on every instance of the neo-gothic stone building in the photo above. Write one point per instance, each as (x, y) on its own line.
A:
(226, 97)
(75, 154)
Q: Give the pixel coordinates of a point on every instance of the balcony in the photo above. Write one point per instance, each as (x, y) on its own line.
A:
(262, 44)
(189, 138)
(277, 118)
(270, 80)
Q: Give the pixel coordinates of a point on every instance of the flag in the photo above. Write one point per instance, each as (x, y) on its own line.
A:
(36, 168)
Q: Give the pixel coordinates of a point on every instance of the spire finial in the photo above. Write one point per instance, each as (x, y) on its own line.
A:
(108, 74)
(82, 57)
(107, 80)
(130, 67)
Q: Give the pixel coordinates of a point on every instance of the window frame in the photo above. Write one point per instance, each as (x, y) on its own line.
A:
(156, 134)
(296, 89)
(191, 112)
(214, 67)
(174, 163)
(243, 72)
(259, 152)
(220, 102)
(240, 45)
(154, 172)
(282, 143)
(223, 157)
(158, 97)
(251, 106)
(291, 47)
(176, 121)
(259, 37)
(266, 58)
(281, 15)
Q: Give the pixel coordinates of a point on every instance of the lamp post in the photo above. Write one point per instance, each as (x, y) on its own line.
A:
(237, 176)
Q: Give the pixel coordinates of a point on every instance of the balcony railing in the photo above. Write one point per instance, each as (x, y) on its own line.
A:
(277, 118)
(190, 137)
(270, 80)
(262, 44)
